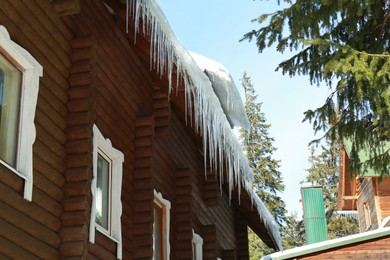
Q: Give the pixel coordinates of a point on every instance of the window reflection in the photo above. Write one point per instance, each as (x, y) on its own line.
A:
(102, 192)
(10, 82)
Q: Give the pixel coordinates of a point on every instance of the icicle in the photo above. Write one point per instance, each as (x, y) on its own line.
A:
(202, 108)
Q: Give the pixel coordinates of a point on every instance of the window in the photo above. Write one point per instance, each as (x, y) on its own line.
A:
(197, 246)
(161, 213)
(19, 84)
(367, 215)
(10, 78)
(106, 187)
(103, 191)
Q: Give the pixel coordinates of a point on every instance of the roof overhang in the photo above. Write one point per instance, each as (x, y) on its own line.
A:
(191, 94)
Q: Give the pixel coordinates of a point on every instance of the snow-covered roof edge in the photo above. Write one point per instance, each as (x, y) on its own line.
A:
(328, 244)
(209, 118)
(225, 89)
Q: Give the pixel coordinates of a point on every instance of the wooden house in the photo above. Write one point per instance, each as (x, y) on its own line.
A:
(372, 244)
(370, 197)
(112, 145)
(365, 192)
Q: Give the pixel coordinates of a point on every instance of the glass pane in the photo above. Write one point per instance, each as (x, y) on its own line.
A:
(102, 192)
(157, 233)
(10, 82)
(1, 89)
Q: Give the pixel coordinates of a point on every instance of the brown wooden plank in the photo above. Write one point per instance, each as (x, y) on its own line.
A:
(29, 225)
(27, 242)
(56, 27)
(15, 251)
(13, 199)
(45, 169)
(37, 26)
(72, 249)
(75, 233)
(25, 34)
(47, 187)
(48, 156)
(54, 108)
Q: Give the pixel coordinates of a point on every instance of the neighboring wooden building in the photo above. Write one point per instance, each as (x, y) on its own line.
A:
(97, 159)
(364, 192)
(368, 245)
(371, 198)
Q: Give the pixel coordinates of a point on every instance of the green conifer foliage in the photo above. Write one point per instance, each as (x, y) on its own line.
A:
(293, 232)
(324, 171)
(259, 149)
(345, 44)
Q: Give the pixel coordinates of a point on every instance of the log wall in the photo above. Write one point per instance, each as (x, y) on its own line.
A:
(383, 198)
(366, 194)
(31, 230)
(93, 75)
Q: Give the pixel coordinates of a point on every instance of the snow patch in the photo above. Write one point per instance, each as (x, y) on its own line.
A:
(225, 89)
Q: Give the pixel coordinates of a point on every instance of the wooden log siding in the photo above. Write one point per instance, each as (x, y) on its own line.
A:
(229, 255)
(210, 242)
(182, 247)
(366, 194)
(77, 200)
(383, 198)
(143, 189)
(242, 236)
(30, 230)
(161, 113)
(211, 195)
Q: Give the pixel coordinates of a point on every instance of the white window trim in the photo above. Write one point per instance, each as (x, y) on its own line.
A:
(159, 200)
(198, 241)
(117, 158)
(31, 71)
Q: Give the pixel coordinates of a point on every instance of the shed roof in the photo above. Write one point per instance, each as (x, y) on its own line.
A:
(365, 154)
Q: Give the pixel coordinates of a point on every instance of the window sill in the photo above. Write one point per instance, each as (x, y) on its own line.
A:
(12, 169)
(104, 232)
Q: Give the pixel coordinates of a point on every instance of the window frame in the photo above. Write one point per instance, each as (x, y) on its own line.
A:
(14, 90)
(103, 145)
(197, 240)
(102, 229)
(165, 207)
(31, 72)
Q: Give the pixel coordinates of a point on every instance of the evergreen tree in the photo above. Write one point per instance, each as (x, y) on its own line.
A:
(345, 44)
(293, 232)
(258, 146)
(324, 171)
(257, 248)
(268, 182)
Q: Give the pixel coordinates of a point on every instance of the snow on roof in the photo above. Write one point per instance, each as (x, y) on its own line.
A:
(225, 89)
(209, 118)
(329, 244)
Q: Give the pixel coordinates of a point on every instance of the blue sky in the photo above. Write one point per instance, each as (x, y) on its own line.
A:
(213, 29)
